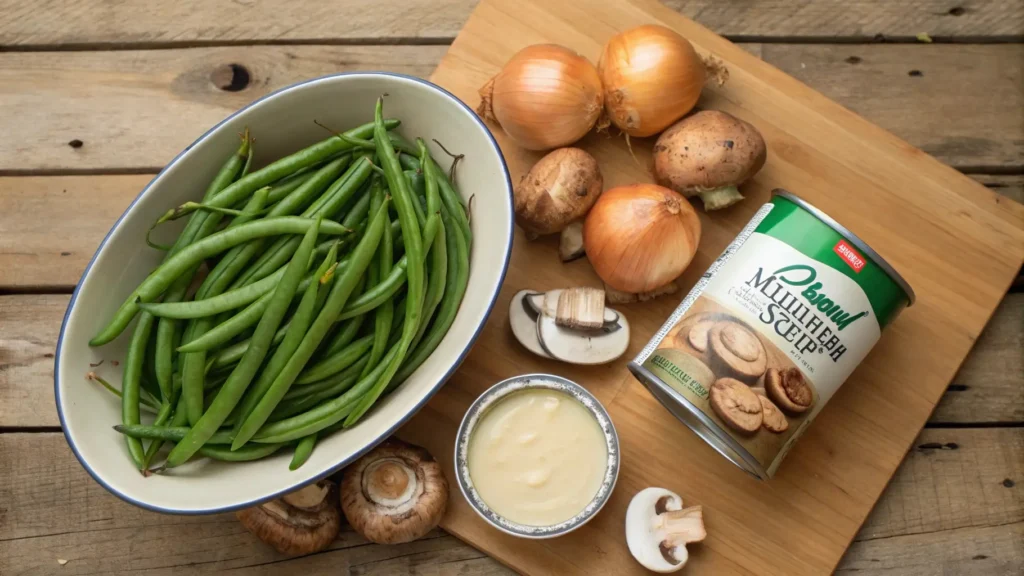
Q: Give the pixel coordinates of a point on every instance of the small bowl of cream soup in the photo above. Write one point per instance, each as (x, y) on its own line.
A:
(537, 456)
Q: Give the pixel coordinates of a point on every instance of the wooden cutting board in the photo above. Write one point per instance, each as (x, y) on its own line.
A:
(957, 243)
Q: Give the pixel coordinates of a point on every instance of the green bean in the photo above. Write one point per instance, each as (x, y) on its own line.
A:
(345, 334)
(377, 295)
(285, 247)
(415, 268)
(286, 186)
(169, 433)
(455, 289)
(302, 452)
(246, 453)
(163, 276)
(162, 418)
(439, 255)
(213, 305)
(297, 328)
(130, 382)
(338, 361)
(409, 161)
(246, 369)
(381, 268)
(232, 354)
(340, 291)
(326, 413)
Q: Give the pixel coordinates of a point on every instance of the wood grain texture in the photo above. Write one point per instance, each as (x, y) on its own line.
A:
(895, 197)
(97, 23)
(36, 255)
(985, 550)
(986, 391)
(62, 514)
(116, 102)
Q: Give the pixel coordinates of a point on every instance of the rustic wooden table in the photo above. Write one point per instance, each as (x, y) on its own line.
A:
(96, 95)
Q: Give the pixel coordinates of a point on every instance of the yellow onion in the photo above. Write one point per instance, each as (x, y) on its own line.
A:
(652, 76)
(640, 237)
(546, 96)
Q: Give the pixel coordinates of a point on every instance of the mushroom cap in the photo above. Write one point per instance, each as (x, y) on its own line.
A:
(774, 420)
(560, 188)
(299, 523)
(395, 493)
(737, 405)
(736, 352)
(789, 390)
(698, 335)
(658, 529)
(708, 150)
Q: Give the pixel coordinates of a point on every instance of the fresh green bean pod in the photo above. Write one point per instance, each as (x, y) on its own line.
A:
(302, 452)
(130, 383)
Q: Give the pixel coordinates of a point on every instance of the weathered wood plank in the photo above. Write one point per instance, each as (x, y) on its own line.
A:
(35, 254)
(135, 22)
(981, 551)
(987, 390)
(62, 514)
(114, 102)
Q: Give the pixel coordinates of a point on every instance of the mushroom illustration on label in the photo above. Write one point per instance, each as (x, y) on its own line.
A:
(736, 352)
(737, 405)
(570, 325)
(396, 493)
(299, 523)
(773, 419)
(789, 390)
(658, 529)
(698, 335)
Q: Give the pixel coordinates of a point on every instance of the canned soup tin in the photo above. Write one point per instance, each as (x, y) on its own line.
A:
(770, 332)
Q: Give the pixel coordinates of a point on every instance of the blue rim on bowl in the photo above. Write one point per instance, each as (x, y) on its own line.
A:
(331, 470)
(531, 382)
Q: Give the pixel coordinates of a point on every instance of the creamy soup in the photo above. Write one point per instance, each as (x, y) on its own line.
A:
(537, 457)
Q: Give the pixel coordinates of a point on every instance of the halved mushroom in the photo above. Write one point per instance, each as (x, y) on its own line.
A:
(522, 317)
(580, 347)
(658, 529)
(736, 352)
(737, 405)
(302, 522)
(395, 493)
(789, 390)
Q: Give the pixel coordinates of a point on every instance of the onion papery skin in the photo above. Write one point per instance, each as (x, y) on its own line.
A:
(546, 97)
(641, 237)
(652, 77)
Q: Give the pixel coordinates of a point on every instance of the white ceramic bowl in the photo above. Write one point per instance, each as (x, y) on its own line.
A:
(282, 123)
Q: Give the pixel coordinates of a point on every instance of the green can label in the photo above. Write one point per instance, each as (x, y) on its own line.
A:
(773, 330)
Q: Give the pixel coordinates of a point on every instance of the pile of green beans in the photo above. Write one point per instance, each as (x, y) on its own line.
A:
(295, 297)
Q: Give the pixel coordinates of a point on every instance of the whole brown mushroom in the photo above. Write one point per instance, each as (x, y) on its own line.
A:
(789, 390)
(395, 493)
(559, 189)
(736, 352)
(709, 154)
(299, 523)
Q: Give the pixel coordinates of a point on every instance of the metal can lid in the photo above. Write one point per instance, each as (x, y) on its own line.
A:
(853, 238)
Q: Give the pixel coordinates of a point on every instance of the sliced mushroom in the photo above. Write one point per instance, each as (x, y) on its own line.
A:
(395, 493)
(579, 347)
(774, 420)
(736, 352)
(658, 529)
(737, 405)
(299, 523)
(570, 243)
(522, 316)
(698, 335)
(789, 390)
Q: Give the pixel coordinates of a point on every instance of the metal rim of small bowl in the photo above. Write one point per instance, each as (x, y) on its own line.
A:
(501, 390)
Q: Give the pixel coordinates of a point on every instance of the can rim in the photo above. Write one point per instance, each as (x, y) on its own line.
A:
(860, 244)
(708, 430)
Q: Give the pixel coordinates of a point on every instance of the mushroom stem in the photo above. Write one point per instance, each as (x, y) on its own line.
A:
(682, 526)
(718, 198)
